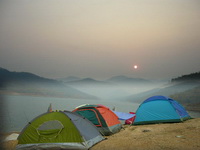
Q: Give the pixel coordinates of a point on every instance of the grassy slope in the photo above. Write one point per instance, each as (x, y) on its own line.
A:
(190, 99)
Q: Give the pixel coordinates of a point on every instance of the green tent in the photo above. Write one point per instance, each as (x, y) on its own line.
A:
(63, 130)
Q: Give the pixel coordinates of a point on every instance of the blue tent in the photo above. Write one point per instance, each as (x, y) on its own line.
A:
(160, 109)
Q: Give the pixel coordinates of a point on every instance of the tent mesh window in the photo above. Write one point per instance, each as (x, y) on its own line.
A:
(50, 129)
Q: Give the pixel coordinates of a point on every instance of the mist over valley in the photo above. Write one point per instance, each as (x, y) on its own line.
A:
(116, 88)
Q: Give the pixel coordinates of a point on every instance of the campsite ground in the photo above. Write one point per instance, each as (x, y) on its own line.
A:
(168, 136)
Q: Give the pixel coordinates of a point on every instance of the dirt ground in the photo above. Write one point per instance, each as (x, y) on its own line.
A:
(168, 136)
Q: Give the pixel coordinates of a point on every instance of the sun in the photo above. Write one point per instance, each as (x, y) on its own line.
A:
(135, 66)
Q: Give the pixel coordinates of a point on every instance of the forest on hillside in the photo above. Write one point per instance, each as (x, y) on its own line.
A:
(190, 77)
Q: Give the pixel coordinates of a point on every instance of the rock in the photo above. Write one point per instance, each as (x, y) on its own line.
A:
(146, 130)
(179, 136)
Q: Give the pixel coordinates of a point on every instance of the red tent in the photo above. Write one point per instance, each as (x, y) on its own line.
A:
(131, 120)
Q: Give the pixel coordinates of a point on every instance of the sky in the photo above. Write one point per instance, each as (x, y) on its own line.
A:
(100, 38)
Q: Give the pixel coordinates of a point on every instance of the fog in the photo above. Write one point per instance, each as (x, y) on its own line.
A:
(116, 92)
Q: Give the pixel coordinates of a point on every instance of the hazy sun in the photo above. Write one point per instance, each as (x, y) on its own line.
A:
(135, 66)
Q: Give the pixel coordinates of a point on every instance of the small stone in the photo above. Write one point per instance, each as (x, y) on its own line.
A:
(179, 136)
(146, 130)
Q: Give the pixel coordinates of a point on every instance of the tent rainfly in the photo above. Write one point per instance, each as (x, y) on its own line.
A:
(59, 130)
(101, 116)
(160, 109)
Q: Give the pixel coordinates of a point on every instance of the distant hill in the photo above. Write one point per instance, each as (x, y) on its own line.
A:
(115, 80)
(7, 77)
(127, 80)
(190, 98)
(189, 77)
(68, 79)
(87, 82)
(166, 90)
(31, 84)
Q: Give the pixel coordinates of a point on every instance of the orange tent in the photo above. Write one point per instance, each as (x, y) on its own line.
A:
(101, 116)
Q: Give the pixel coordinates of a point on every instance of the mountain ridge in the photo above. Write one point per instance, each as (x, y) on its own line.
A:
(31, 84)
